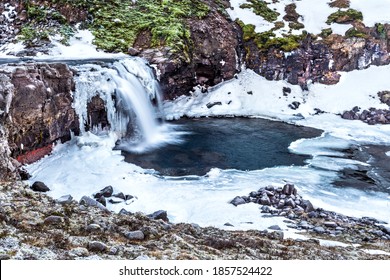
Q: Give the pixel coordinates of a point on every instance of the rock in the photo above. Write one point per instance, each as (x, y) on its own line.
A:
(330, 224)
(319, 230)
(281, 204)
(212, 104)
(39, 187)
(228, 225)
(105, 192)
(286, 91)
(120, 195)
(102, 200)
(295, 105)
(65, 199)
(312, 214)
(290, 202)
(264, 200)
(159, 215)
(238, 200)
(307, 206)
(97, 246)
(135, 235)
(78, 252)
(304, 225)
(289, 189)
(94, 227)
(386, 229)
(124, 212)
(275, 227)
(114, 201)
(39, 122)
(133, 51)
(113, 251)
(53, 220)
(87, 201)
(4, 257)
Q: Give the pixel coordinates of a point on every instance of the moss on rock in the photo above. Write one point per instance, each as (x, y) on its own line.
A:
(347, 16)
(260, 8)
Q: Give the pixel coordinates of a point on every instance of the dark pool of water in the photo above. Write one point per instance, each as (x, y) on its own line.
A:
(226, 143)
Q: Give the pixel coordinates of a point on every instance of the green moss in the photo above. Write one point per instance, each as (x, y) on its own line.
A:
(30, 33)
(353, 32)
(278, 25)
(347, 16)
(380, 29)
(267, 40)
(326, 32)
(117, 23)
(296, 25)
(260, 8)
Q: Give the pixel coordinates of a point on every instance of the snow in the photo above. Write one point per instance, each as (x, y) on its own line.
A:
(313, 17)
(373, 11)
(80, 47)
(356, 88)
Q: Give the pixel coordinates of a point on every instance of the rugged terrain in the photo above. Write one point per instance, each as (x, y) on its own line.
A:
(34, 226)
(202, 47)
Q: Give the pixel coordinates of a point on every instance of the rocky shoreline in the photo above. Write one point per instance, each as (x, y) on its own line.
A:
(301, 215)
(35, 226)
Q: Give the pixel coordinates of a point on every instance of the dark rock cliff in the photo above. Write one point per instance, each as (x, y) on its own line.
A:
(38, 109)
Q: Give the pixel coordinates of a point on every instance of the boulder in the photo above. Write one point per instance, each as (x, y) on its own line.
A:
(39, 187)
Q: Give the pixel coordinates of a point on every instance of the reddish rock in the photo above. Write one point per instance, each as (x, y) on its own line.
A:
(41, 111)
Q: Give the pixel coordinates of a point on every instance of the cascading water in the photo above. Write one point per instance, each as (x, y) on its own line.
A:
(127, 88)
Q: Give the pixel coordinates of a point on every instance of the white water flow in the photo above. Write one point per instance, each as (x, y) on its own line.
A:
(128, 89)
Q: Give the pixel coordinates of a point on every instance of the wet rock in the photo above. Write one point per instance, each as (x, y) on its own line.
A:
(289, 189)
(65, 199)
(159, 215)
(39, 187)
(105, 192)
(135, 235)
(97, 246)
(238, 200)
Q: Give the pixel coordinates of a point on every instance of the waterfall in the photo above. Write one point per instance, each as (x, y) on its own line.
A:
(128, 89)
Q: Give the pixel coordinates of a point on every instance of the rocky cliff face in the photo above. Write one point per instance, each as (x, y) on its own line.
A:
(37, 108)
(213, 55)
(319, 60)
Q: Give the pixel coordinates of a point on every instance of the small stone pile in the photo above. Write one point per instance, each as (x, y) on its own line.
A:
(107, 195)
(283, 201)
(371, 116)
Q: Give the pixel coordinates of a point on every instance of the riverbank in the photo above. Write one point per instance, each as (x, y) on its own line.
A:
(35, 226)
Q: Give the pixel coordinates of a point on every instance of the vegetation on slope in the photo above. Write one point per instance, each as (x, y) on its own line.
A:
(116, 24)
